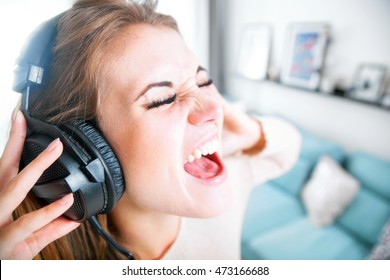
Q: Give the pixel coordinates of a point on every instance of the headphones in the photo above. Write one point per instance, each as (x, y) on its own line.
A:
(88, 167)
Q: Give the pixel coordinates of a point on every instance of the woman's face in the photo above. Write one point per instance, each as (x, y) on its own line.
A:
(164, 121)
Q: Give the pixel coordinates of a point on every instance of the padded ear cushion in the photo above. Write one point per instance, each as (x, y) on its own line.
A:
(95, 143)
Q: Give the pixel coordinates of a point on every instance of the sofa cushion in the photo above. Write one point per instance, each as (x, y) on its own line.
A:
(300, 240)
(313, 147)
(366, 216)
(269, 207)
(328, 192)
(293, 180)
(372, 172)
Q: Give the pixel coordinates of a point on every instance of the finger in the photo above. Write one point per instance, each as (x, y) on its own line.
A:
(34, 243)
(9, 162)
(27, 225)
(51, 232)
(14, 193)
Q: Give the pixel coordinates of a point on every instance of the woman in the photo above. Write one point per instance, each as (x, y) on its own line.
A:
(126, 67)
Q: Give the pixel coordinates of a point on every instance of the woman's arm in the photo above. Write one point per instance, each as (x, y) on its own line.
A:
(280, 153)
(267, 146)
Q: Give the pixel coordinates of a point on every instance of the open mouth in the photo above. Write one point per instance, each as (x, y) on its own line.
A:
(204, 162)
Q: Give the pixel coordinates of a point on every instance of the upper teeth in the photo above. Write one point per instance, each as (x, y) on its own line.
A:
(207, 148)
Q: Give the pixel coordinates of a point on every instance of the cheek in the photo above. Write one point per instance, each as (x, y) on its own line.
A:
(148, 151)
(154, 138)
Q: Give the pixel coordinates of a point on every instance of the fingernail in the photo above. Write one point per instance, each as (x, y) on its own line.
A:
(66, 198)
(14, 113)
(53, 145)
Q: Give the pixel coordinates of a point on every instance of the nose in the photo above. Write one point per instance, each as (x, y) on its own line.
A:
(206, 108)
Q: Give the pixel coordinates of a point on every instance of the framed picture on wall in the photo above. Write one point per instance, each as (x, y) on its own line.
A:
(304, 54)
(253, 57)
(369, 83)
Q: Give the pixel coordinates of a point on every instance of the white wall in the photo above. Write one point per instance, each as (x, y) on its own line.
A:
(361, 33)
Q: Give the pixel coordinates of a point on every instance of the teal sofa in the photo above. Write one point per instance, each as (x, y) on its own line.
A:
(276, 224)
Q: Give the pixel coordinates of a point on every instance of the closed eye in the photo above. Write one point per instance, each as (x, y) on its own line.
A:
(162, 102)
(171, 99)
(209, 82)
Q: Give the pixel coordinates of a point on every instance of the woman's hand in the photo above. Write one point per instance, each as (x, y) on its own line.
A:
(25, 237)
(240, 131)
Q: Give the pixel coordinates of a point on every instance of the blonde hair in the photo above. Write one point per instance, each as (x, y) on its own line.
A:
(76, 82)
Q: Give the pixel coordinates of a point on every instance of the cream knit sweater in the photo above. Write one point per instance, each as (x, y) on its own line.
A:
(219, 237)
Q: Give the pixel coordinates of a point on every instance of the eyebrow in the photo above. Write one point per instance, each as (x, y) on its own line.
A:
(200, 68)
(153, 85)
(164, 83)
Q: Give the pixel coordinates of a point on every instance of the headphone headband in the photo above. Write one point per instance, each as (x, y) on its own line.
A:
(34, 62)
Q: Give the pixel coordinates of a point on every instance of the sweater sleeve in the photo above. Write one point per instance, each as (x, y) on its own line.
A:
(280, 154)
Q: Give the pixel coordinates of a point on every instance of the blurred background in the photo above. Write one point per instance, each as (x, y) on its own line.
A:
(357, 34)
(245, 45)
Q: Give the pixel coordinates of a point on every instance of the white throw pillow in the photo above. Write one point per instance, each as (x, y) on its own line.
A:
(328, 192)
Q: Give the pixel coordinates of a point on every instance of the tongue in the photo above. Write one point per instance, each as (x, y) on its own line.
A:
(203, 168)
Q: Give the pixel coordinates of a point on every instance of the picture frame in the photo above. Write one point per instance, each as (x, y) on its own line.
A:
(368, 83)
(254, 51)
(304, 54)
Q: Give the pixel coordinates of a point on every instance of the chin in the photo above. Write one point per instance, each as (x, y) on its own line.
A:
(207, 199)
(205, 188)
(215, 208)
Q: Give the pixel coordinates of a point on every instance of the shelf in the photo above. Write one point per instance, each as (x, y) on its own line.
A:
(320, 93)
(376, 105)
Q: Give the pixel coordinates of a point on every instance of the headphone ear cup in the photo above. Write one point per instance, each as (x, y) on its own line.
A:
(97, 145)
